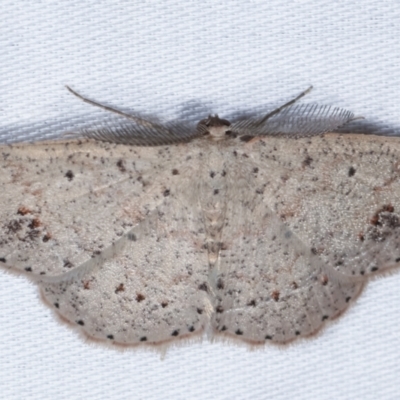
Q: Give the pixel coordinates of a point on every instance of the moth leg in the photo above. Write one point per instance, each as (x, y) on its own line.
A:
(138, 120)
(289, 103)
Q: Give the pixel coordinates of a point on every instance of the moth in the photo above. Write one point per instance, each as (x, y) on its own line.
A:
(261, 229)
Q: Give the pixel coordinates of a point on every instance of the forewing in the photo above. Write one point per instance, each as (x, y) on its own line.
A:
(150, 287)
(65, 202)
(340, 194)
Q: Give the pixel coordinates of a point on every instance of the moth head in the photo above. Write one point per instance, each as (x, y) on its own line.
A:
(216, 127)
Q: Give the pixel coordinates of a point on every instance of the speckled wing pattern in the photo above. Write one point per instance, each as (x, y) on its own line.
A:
(260, 239)
(67, 202)
(304, 232)
(148, 291)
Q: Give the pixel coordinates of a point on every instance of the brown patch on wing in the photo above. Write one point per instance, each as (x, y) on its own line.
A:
(275, 295)
(23, 210)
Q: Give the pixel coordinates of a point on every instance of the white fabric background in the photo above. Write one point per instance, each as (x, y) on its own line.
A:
(183, 59)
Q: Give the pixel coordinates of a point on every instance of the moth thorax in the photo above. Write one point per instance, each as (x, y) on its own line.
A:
(216, 127)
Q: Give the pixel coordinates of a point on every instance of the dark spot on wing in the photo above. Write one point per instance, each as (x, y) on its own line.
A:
(140, 297)
(70, 175)
(314, 250)
(121, 165)
(46, 237)
(352, 171)
(386, 208)
(120, 288)
(324, 280)
(23, 211)
(132, 237)
(391, 221)
(35, 223)
(275, 295)
(220, 283)
(203, 287)
(86, 285)
(307, 161)
(68, 264)
(384, 224)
